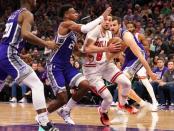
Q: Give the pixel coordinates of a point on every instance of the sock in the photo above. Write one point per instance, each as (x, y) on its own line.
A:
(43, 118)
(149, 88)
(107, 100)
(71, 103)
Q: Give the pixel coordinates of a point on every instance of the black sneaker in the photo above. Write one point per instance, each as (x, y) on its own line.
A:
(49, 127)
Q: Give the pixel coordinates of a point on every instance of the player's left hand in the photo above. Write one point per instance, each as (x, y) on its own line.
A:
(153, 76)
(51, 45)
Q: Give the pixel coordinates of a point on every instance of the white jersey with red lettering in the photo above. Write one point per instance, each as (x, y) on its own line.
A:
(96, 67)
(101, 39)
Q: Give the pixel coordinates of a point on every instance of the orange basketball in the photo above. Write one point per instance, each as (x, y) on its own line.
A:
(121, 47)
(119, 43)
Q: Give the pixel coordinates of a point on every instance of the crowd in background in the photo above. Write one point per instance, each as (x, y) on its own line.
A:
(155, 19)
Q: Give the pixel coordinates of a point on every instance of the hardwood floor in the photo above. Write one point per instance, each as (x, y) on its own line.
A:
(22, 114)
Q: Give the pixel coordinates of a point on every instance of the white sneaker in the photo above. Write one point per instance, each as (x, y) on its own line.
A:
(143, 111)
(13, 100)
(65, 115)
(23, 100)
(113, 104)
(45, 124)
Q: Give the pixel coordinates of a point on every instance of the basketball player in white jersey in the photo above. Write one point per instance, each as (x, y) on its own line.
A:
(141, 72)
(96, 67)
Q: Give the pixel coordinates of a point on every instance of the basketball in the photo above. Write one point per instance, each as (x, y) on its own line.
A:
(119, 44)
(120, 47)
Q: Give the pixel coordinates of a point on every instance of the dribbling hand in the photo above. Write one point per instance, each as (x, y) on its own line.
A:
(114, 47)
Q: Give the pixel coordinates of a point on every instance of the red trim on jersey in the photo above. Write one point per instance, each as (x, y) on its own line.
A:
(89, 65)
(102, 89)
(115, 76)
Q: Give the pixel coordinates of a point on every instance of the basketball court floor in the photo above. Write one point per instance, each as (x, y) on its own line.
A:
(20, 117)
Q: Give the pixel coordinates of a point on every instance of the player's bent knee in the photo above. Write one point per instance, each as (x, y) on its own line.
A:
(124, 81)
(84, 85)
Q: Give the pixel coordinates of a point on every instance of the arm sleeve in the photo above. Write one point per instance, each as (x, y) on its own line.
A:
(91, 25)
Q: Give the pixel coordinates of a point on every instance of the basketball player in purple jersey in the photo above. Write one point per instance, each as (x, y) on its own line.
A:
(133, 66)
(137, 52)
(60, 70)
(18, 30)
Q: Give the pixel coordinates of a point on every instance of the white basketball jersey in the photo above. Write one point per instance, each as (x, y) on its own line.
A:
(101, 39)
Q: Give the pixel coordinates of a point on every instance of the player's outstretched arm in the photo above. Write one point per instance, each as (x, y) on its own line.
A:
(26, 21)
(89, 26)
(130, 42)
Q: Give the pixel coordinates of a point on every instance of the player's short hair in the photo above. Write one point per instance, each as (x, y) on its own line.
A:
(118, 19)
(63, 9)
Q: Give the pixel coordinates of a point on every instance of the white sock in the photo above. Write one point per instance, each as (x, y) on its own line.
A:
(43, 118)
(149, 88)
(37, 88)
(71, 103)
(107, 100)
(142, 103)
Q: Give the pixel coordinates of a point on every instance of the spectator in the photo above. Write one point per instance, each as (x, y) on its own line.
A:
(14, 93)
(159, 70)
(171, 45)
(161, 47)
(167, 85)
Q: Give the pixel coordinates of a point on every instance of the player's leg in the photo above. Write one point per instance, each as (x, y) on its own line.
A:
(57, 81)
(22, 73)
(97, 82)
(130, 70)
(74, 78)
(143, 77)
(114, 75)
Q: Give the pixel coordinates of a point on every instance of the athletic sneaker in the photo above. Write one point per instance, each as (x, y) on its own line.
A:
(46, 126)
(23, 100)
(65, 115)
(128, 108)
(13, 100)
(104, 117)
(144, 109)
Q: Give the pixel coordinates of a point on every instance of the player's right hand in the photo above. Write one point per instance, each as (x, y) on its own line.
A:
(114, 47)
(107, 12)
(51, 45)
